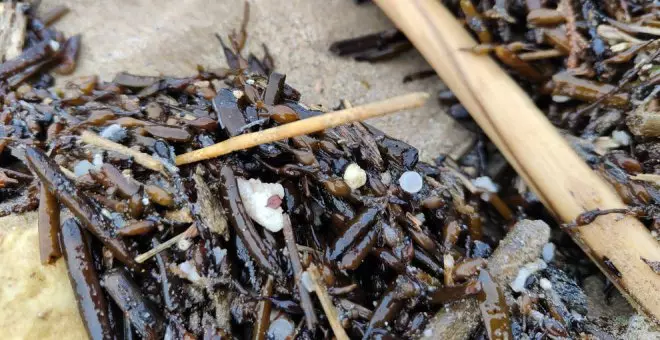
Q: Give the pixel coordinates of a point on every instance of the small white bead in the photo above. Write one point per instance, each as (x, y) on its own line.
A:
(411, 182)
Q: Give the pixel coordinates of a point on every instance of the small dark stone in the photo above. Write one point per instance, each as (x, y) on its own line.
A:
(569, 291)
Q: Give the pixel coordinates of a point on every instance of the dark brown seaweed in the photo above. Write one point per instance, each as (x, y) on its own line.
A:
(78, 203)
(263, 312)
(134, 81)
(146, 320)
(230, 117)
(445, 295)
(138, 228)
(358, 227)
(274, 89)
(85, 282)
(49, 226)
(354, 257)
(69, 55)
(29, 57)
(373, 47)
(391, 303)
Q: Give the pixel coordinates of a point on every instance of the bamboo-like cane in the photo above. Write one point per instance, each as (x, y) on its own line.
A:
(306, 126)
(565, 184)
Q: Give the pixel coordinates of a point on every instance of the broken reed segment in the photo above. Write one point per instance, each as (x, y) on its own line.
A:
(306, 126)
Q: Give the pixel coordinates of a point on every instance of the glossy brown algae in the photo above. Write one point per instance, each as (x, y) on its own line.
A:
(85, 282)
(494, 309)
(78, 203)
(389, 306)
(49, 226)
(146, 319)
(357, 227)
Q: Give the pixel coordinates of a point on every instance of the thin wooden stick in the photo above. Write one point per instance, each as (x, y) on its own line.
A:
(157, 249)
(305, 126)
(139, 157)
(565, 184)
(326, 303)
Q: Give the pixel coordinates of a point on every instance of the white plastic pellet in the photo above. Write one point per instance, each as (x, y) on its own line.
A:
(411, 182)
(354, 176)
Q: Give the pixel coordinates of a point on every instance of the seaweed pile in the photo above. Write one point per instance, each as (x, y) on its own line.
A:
(159, 251)
(593, 68)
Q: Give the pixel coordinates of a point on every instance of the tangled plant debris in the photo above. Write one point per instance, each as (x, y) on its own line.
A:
(593, 68)
(361, 239)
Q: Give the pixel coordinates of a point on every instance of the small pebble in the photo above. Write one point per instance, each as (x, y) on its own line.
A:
(545, 284)
(237, 94)
(189, 271)
(386, 178)
(560, 99)
(115, 133)
(98, 160)
(355, 176)
(622, 137)
(82, 168)
(307, 282)
(518, 284)
(106, 213)
(219, 254)
(411, 182)
(485, 183)
(281, 329)
(548, 252)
